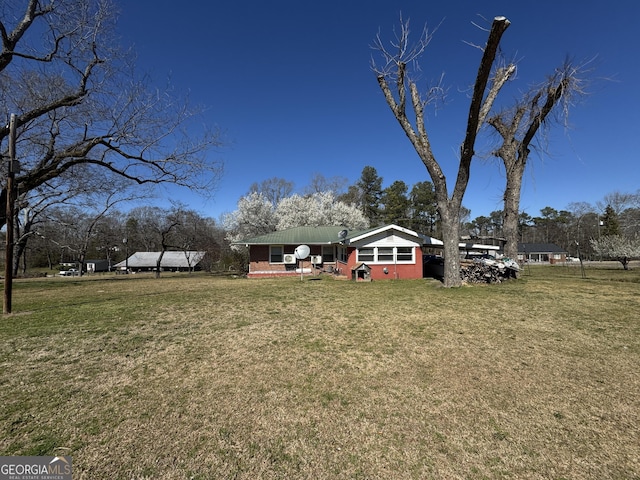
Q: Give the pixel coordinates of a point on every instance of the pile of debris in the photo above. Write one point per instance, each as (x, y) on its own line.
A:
(488, 270)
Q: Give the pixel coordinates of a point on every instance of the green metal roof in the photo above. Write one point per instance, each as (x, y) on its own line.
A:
(298, 236)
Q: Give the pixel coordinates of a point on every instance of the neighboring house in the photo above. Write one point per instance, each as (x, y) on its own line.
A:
(171, 261)
(541, 252)
(388, 252)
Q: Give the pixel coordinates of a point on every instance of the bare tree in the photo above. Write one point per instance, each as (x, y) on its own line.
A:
(164, 228)
(87, 188)
(155, 228)
(78, 102)
(33, 208)
(273, 189)
(196, 233)
(92, 219)
(518, 128)
(398, 84)
(77, 221)
(584, 221)
(619, 201)
(319, 183)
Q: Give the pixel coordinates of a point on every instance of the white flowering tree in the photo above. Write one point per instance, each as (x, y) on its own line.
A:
(255, 216)
(318, 209)
(618, 247)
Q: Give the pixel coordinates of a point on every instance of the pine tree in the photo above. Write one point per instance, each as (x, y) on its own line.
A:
(610, 222)
(396, 204)
(370, 184)
(424, 208)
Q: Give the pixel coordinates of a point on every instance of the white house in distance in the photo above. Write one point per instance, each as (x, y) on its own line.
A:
(171, 261)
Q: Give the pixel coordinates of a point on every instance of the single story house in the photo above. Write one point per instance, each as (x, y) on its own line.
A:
(171, 261)
(541, 252)
(389, 251)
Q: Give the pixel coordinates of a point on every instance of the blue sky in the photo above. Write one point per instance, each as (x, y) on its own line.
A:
(290, 84)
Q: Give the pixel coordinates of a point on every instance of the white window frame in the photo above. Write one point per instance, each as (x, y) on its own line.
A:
(369, 256)
(385, 254)
(388, 258)
(411, 252)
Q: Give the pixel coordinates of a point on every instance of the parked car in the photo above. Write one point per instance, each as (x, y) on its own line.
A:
(72, 272)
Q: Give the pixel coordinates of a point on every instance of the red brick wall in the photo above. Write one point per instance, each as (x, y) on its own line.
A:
(394, 271)
(259, 265)
(259, 262)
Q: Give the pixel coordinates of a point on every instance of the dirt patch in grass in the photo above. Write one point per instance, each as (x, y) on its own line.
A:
(201, 377)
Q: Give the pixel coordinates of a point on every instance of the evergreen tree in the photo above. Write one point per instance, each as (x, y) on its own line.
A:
(610, 222)
(496, 217)
(480, 226)
(353, 196)
(424, 208)
(370, 185)
(525, 222)
(396, 204)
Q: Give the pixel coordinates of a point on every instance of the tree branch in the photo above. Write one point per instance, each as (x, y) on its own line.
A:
(499, 26)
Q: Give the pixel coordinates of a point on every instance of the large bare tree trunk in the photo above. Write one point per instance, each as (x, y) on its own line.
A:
(395, 72)
(512, 209)
(450, 219)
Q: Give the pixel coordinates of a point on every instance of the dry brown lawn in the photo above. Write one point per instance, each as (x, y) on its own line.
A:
(202, 377)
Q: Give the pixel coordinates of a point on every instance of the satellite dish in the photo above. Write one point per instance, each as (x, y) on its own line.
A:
(342, 234)
(301, 252)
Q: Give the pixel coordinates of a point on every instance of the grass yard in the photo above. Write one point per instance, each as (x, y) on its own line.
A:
(195, 376)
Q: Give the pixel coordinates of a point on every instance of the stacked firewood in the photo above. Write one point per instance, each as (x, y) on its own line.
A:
(487, 271)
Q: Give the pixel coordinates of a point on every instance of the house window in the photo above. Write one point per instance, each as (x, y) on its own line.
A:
(327, 253)
(405, 254)
(275, 254)
(342, 254)
(557, 256)
(385, 254)
(365, 255)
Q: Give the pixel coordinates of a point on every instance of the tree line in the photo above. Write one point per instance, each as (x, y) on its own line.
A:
(574, 228)
(97, 229)
(76, 235)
